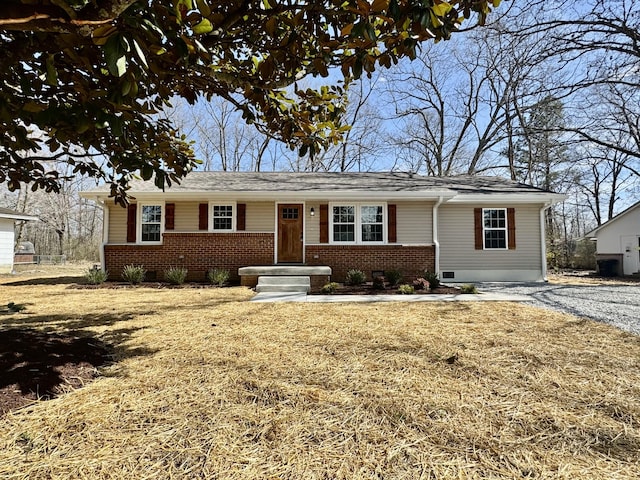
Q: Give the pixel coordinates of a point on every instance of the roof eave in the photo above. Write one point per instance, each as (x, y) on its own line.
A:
(510, 197)
(280, 195)
(26, 218)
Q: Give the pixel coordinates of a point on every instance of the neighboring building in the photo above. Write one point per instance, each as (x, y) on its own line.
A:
(467, 228)
(618, 241)
(8, 218)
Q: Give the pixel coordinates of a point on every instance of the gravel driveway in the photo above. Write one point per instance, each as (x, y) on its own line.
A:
(617, 305)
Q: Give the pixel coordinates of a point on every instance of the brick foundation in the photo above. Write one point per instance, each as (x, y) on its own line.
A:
(412, 261)
(197, 252)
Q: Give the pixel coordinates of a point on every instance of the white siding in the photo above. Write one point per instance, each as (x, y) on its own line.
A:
(117, 223)
(609, 235)
(6, 245)
(458, 253)
(414, 222)
(312, 224)
(261, 216)
(622, 236)
(186, 217)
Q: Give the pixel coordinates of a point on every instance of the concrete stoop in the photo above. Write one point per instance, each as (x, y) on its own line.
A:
(282, 284)
(284, 278)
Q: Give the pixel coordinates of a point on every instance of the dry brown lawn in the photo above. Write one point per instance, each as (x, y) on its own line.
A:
(208, 385)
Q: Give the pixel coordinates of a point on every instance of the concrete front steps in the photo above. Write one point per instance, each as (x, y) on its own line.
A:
(282, 284)
(284, 278)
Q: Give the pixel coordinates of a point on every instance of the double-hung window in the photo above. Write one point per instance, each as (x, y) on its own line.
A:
(357, 223)
(494, 226)
(222, 217)
(150, 223)
(371, 223)
(344, 223)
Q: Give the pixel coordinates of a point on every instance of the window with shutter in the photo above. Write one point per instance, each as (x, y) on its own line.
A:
(494, 228)
(358, 223)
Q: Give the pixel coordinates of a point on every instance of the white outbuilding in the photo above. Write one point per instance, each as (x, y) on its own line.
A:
(8, 218)
(618, 243)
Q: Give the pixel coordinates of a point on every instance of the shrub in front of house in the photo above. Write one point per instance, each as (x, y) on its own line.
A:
(218, 276)
(393, 277)
(356, 277)
(134, 274)
(96, 276)
(176, 275)
(406, 289)
(432, 278)
(421, 284)
(329, 288)
(468, 288)
(378, 283)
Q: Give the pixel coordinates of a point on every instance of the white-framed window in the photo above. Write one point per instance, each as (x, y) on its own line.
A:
(343, 228)
(494, 228)
(359, 223)
(151, 223)
(371, 223)
(223, 217)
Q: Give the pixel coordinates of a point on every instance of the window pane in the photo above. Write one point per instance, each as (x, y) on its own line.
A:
(372, 214)
(151, 213)
(372, 233)
(344, 214)
(494, 218)
(290, 213)
(222, 223)
(495, 239)
(222, 211)
(151, 232)
(344, 233)
(222, 217)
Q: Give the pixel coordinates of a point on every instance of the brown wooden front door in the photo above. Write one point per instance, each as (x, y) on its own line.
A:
(290, 221)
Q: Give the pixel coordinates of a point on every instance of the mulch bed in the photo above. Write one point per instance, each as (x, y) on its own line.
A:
(35, 365)
(158, 285)
(367, 289)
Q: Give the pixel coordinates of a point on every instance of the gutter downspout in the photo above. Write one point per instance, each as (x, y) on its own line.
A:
(105, 232)
(543, 242)
(436, 242)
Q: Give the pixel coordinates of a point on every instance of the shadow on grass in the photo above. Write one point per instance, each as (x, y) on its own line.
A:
(67, 280)
(74, 324)
(43, 356)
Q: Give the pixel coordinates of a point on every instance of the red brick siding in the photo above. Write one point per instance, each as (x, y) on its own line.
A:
(412, 261)
(199, 252)
(202, 251)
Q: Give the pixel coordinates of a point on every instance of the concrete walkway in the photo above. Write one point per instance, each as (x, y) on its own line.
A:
(301, 297)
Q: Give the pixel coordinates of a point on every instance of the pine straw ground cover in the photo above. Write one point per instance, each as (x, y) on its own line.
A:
(207, 385)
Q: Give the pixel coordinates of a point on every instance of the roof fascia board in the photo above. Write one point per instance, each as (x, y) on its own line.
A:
(497, 197)
(18, 217)
(280, 195)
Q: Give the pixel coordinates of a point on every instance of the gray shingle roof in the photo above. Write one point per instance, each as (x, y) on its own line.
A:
(322, 182)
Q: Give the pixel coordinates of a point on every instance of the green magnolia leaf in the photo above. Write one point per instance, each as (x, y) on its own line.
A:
(114, 54)
(205, 26)
(52, 73)
(34, 107)
(441, 9)
(146, 172)
(140, 53)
